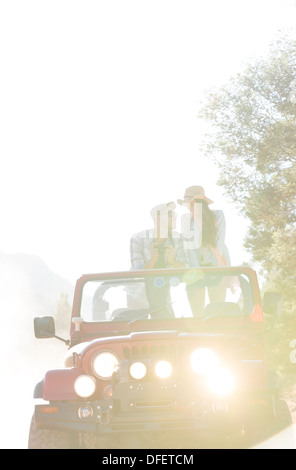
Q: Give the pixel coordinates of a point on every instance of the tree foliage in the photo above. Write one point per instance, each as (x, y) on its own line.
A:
(63, 314)
(253, 141)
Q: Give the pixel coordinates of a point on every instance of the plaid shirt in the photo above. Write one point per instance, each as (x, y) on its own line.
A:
(185, 252)
(140, 246)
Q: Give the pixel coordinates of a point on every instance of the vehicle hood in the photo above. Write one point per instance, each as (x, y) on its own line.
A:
(149, 342)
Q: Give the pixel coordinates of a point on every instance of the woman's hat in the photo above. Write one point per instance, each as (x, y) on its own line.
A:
(194, 192)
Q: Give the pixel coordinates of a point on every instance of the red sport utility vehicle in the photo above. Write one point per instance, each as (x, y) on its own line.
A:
(159, 359)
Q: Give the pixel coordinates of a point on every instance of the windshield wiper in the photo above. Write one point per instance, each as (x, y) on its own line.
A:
(150, 313)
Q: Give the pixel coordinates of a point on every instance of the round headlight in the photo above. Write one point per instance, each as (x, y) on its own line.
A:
(163, 369)
(85, 386)
(203, 360)
(104, 364)
(138, 370)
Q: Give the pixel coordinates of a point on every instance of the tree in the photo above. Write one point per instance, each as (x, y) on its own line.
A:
(63, 314)
(253, 141)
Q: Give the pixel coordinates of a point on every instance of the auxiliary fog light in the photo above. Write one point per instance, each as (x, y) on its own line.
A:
(84, 386)
(221, 382)
(104, 364)
(108, 392)
(203, 361)
(85, 411)
(138, 370)
(163, 369)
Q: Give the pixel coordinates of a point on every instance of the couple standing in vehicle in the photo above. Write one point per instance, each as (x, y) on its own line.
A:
(201, 243)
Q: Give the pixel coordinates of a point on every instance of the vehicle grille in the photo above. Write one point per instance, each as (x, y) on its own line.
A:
(170, 351)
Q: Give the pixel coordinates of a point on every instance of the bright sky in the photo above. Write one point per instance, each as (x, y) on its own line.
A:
(98, 106)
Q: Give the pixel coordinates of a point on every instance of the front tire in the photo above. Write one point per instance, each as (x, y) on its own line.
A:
(40, 438)
(275, 431)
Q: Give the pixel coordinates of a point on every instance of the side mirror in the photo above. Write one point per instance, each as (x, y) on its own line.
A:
(272, 303)
(44, 327)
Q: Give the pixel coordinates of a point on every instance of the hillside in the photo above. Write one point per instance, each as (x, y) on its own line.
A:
(29, 279)
(28, 288)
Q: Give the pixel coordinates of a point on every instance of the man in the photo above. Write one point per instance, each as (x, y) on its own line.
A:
(156, 248)
(159, 247)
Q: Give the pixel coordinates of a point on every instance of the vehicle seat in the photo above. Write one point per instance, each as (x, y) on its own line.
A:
(126, 314)
(222, 309)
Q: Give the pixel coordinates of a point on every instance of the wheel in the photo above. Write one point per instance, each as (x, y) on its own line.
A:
(273, 431)
(50, 438)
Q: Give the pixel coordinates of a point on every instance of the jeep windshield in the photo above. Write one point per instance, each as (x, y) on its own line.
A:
(167, 294)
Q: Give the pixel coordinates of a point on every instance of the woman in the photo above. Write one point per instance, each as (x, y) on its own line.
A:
(204, 244)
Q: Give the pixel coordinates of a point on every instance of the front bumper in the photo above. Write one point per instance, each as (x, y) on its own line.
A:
(125, 414)
(96, 417)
